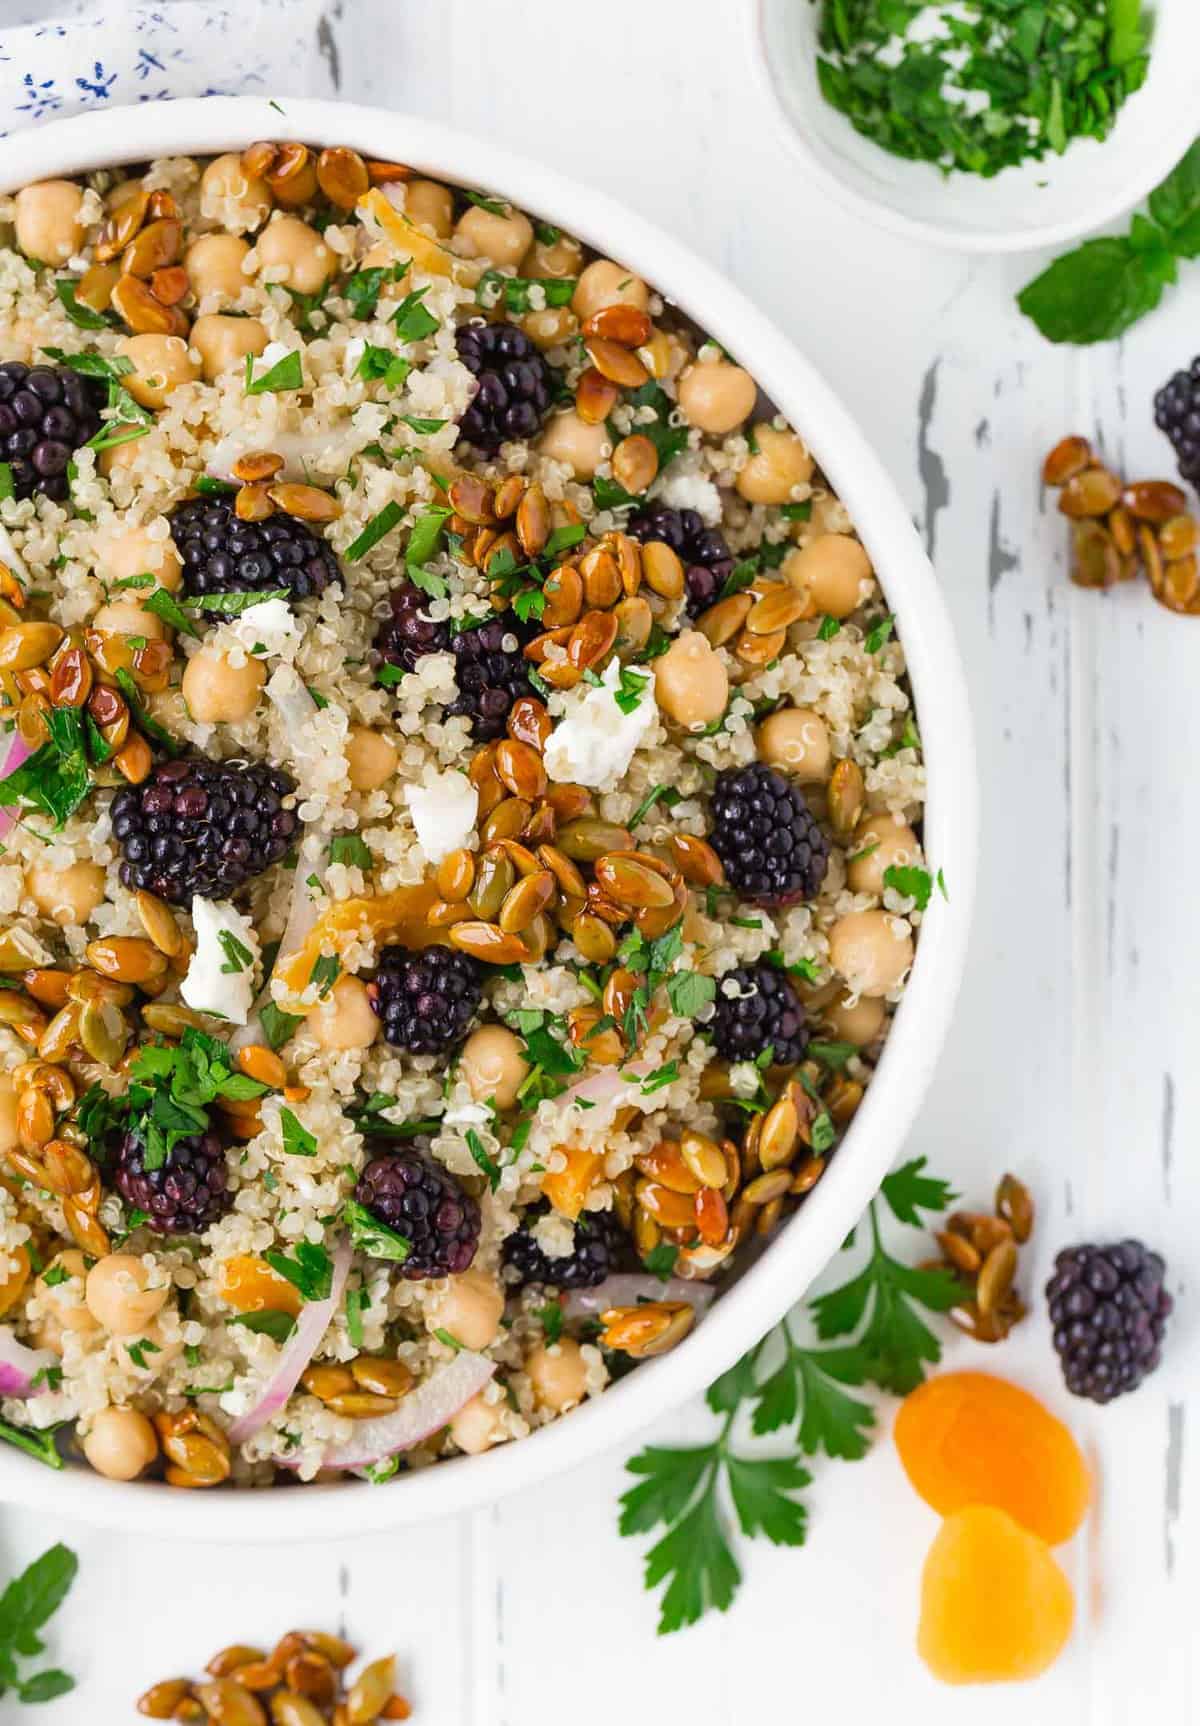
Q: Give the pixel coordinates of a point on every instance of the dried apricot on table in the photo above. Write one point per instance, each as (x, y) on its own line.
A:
(970, 1438)
(995, 1606)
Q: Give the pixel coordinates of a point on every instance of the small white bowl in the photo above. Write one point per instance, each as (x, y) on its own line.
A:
(747, 1309)
(1039, 204)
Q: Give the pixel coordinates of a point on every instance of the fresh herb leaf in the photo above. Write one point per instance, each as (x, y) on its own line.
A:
(689, 992)
(481, 1157)
(448, 1337)
(364, 287)
(310, 1271)
(277, 1325)
(297, 1140)
(233, 604)
(325, 973)
(368, 1235)
(377, 528)
(910, 882)
(829, 628)
(67, 290)
(26, 1607)
(550, 1318)
(238, 956)
(516, 291)
(383, 365)
(154, 731)
(35, 1443)
(56, 778)
(357, 1300)
(137, 1352)
(285, 374)
(908, 1191)
(278, 1027)
(660, 1260)
(350, 849)
(1096, 292)
(413, 321)
(879, 634)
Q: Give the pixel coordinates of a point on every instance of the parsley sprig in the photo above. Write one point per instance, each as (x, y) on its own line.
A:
(26, 1606)
(785, 1386)
(169, 1094)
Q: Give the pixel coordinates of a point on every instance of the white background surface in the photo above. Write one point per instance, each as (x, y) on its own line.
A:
(1073, 1059)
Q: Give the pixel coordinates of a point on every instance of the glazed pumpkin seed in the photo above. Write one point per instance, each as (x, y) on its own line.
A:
(506, 820)
(23, 645)
(362, 1405)
(594, 938)
(1014, 1203)
(533, 518)
(635, 464)
(158, 921)
(305, 502)
(996, 1276)
(487, 941)
(289, 1708)
(71, 678)
(779, 608)
(370, 1692)
(569, 879)
(19, 950)
(626, 877)
(698, 862)
(519, 767)
(495, 877)
(847, 793)
(23, 1016)
(527, 900)
(162, 1700)
(529, 723)
(230, 1704)
(455, 874)
(635, 621)
(226, 1661)
(563, 589)
(704, 1158)
(721, 622)
(1068, 457)
(766, 1187)
(664, 1164)
(595, 396)
(1092, 492)
(126, 958)
(779, 1136)
(662, 570)
(35, 1118)
(669, 1208)
(384, 1377)
(586, 839)
(601, 578)
(48, 988)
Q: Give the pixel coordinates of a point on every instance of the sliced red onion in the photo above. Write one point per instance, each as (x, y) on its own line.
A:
(311, 1326)
(629, 1288)
(302, 915)
(303, 453)
(615, 1085)
(19, 1366)
(12, 557)
(18, 751)
(422, 1412)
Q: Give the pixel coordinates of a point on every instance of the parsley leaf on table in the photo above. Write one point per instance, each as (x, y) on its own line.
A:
(27, 1604)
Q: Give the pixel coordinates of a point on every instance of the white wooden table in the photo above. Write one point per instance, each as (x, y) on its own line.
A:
(1073, 1058)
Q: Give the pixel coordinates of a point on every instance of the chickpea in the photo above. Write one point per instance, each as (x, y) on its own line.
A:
(371, 760)
(135, 552)
(160, 365)
(296, 255)
(581, 446)
(691, 684)
(478, 1425)
(63, 1301)
(717, 396)
(831, 569)
(871, 949)
(858, 1022)
(555, 259)
(347, 1020)
(240, 201)
(118, 1295)
(470, 1309)
(604, 283)
(218, 692)
(493, 1065)
(796, 739)
(558, 1374)
(781, 464)
(214, 265)
(127, 617)
(9, 1136)
(430, 206)
(888, 842)
(224, 342)
(121, 1443)
(551, 327)
(67, 896)
(501, 239)
(48, 227)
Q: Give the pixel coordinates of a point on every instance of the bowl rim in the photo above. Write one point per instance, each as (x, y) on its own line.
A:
(1000, 240)
(213, 124)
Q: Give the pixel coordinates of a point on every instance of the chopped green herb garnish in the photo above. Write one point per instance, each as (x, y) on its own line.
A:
(350, 849)
(412, 320)
(368, 1235)
(285, 374)
(278, 1027)
(310, 1270)
(665, 794)
(879, 635)
(277, 1325)
(297, 1140)
(238, 956)
(325, 973)
(480, 1155)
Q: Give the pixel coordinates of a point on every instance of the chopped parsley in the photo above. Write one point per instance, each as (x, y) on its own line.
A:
(516, 291)
(350, 849)
(277, 1325)
(879, 635)
(67, 289)
(362, 291)
(382, 365)
(412, 320)
(368, 1235)
(278, 1027)
(297, 1140)
(376, 529)
(481, 1158)
(913, 883)
(325, 973)
(137, 1352)
(310, 1270)
(170, 1091)
(285, 374)
(830, 626)
(238, 956)
(451, 1341)
(356, 1302)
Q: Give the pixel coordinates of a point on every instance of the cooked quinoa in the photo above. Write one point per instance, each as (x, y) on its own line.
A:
(331, 1160)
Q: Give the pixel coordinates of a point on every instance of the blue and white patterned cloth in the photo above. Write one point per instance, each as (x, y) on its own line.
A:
(127, 53)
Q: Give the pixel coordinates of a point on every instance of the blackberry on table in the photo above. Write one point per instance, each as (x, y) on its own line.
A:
(1177, 412)
(772, 849)
(515, 385)
(1109, 1310)
(763, 1012)
(223, 554)
(199, 826)
(425, 1000)
(597, 1249)
(186, 1194)
(707, 560)
(46, 414)
(414, 1196)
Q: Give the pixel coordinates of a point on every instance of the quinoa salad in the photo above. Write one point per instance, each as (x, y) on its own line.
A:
(461, 820)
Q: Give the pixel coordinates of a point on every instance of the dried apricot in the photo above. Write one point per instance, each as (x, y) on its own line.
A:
(969, 1438)
(567, 1188)
(994, 1604)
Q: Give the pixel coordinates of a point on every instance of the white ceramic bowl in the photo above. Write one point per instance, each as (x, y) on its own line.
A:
(1039, 204)
(741, 1316)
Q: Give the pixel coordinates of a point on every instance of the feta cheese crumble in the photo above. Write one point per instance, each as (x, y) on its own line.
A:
(595, 740)
(267, 629)
(221, 976)
(444, 809)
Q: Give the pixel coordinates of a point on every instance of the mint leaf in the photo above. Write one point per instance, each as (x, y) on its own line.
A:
(1175, 205)
(1097, 291)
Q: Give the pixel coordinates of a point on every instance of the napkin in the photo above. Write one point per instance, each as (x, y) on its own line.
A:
(126, 53)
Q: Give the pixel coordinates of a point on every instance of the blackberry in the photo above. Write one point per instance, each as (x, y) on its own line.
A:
(46, 414)
(764, 1012)
(490, 676)
(763, 831)
(1109, 1310)
(410, 1193)
(223, 554)
(1177, 412)
(204, 827)
(599, 1239)
(186, 1194)
(406, 635)
(707, 560)
(426, 1000)
(515, 386)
